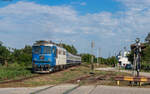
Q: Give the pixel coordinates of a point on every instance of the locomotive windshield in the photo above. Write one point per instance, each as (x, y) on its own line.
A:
(47, 50)
(36, 49)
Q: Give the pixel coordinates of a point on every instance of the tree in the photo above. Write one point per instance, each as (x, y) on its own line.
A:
(4, 55)
(4, 52)
(131, 56)
(147, 39)
(69, 48)
(27, 49)
(1, 43)
(23, 56)
(74, 51)
(146, 54)
(86, 57)
(112, 61)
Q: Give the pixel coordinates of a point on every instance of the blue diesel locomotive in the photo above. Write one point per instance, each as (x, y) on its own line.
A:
(48, 57)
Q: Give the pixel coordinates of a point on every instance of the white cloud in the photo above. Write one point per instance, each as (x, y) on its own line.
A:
(136, 5)
(24, 22)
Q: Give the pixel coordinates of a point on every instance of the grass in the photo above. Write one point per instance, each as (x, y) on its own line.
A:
(72, 74)
(14, 72)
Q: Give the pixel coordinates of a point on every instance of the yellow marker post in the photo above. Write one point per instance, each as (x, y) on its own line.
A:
(118, 82)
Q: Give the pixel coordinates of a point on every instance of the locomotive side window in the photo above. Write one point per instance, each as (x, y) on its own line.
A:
(36, 49)
(56, 53)
(47, 50)
(53, 50)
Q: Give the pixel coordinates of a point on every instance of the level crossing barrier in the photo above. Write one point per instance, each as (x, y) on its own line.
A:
(132, 79)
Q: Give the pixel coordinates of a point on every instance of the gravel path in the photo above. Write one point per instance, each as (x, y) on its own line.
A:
(70, 88)
(126, 71)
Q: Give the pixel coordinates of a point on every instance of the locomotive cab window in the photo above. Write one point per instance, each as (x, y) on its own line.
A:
(47, 50)
(36, 49)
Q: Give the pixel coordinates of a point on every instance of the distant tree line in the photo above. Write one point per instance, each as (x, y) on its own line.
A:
(86, 57)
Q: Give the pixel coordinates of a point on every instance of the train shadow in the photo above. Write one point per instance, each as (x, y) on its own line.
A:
(30, 69)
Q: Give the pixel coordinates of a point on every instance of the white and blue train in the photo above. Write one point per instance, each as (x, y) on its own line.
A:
(49, 57)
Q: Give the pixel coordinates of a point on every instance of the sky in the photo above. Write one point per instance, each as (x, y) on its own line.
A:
(111, 24)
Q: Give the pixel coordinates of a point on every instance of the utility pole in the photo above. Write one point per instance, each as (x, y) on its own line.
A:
(98, 56)
(92, 57)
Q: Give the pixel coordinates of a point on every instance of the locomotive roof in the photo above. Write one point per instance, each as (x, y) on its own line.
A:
(45, 43)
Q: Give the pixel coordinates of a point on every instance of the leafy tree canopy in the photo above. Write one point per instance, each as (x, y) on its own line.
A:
(70, 49)
(4, 52)
(147, 39)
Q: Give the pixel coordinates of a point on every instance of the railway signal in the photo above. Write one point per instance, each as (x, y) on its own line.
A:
(137, 48)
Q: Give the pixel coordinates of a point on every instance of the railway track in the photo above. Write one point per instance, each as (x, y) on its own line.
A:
(67, 91)
(19, 80)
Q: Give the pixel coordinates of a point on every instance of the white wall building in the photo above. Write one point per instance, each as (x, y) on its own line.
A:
(123, 59)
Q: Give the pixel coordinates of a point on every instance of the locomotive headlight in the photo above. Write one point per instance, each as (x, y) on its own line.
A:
(35, 59)
(49, 60)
